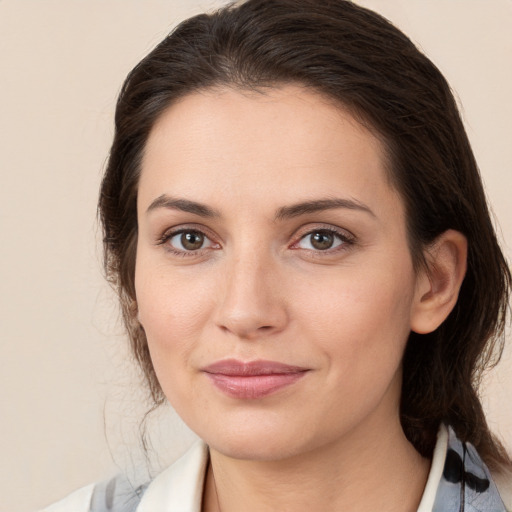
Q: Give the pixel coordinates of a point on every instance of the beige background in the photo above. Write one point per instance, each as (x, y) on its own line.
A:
(70, 400)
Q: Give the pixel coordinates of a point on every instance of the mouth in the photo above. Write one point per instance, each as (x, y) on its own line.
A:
(252, 380)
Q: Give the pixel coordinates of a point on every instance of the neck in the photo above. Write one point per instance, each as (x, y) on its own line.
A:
(363, 472)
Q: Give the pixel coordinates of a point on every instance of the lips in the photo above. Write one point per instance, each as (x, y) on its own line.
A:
(252, 380)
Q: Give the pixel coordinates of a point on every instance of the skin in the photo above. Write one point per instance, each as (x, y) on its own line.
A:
(259, 289)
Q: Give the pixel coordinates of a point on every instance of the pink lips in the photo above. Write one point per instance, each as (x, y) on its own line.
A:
(255, 379)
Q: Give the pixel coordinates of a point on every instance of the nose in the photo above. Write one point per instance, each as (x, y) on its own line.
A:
(251, 303)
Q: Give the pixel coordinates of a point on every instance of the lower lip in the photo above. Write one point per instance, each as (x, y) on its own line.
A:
(253, 386)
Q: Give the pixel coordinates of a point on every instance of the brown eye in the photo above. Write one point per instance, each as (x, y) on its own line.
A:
(188, 241)
(192, 240)
(321, 240)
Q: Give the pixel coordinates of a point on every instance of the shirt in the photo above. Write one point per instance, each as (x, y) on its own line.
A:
(458, 481)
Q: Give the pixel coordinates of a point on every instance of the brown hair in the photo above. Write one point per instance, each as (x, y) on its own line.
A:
(360, 60)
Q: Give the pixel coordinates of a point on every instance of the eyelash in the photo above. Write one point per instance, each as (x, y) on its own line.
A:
(345, 239)
(169, 235)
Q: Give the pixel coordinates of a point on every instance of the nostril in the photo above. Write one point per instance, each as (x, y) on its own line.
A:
(247, 332)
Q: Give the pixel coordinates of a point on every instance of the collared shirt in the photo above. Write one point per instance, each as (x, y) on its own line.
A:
(458, 481)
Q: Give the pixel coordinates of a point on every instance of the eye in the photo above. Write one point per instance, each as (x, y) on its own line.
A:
(321, 240)
(189, 240)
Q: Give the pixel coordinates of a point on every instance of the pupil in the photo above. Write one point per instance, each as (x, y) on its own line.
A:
(192, 241)
(322, 240)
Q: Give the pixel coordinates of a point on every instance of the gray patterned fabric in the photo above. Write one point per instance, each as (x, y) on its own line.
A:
(466, 486)
(116, 495)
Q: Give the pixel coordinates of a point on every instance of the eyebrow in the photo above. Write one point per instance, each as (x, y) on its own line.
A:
(285, 212)
(184, 205)
(295, 210)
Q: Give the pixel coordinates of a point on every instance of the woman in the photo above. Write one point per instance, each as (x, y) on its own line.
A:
(298, 233)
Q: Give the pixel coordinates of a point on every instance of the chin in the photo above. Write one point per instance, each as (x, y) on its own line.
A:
(258, 441)
(256, 448)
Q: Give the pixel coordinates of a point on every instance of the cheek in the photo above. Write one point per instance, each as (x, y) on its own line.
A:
(362, 320)
(173, 312)
(173, 309)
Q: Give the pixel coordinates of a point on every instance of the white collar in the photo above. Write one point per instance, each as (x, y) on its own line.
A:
(180, 487)
(436, 471)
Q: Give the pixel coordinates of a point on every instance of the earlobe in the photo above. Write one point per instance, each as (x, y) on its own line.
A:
(438, 285)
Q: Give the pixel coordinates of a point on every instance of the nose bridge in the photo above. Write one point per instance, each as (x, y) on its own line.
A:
(251, 303)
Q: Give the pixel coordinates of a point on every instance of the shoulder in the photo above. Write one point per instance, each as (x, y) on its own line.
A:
(466, 482)
(179, 487)
(117, 494)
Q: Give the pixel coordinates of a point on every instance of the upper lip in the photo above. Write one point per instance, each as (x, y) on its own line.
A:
(250, 368)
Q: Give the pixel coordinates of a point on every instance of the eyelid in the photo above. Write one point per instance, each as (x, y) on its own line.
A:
(180, 228)
(348, 239)
(169, 233)
(344, 235)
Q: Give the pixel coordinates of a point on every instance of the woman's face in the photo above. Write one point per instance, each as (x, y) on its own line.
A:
(273, 276)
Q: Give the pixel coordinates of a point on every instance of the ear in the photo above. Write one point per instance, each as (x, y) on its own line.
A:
(438, 285)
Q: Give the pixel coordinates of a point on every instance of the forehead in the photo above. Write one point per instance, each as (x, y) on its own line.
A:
(256, 116)
(284, 142)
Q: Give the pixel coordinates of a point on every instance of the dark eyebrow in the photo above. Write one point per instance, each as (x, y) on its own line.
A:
(185, 205)
(298, 209)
